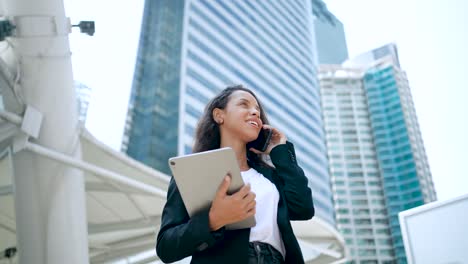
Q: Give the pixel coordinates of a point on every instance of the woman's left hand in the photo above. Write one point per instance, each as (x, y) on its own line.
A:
(277, 138)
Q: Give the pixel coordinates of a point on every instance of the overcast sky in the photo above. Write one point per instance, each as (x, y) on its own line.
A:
(430, 36)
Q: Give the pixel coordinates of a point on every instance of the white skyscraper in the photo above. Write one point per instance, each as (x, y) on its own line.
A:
(361, 214)
(377, 160)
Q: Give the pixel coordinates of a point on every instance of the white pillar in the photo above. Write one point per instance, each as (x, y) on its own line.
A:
(49, 197)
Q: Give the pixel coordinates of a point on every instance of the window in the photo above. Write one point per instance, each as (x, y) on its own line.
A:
(355, 174)
(385, 242)
(343, 211)
(381, 221)
(337, 165)
(386, 252)
(351, 148)
(349, 132)
(356, 183)
(369, 262)
(377, 201)
(346, 231)
(362, 221)
(374, 183)
(361, 212)
(339, 183)
(343, 221)
(367, 252)
(358, 192)
(353, 165)
(352, 157)
(383, 232)
(364, 231)
(359, 202)
(346, 109)
(366, 242)
(341, 201)
(341, 192)
(338, 173)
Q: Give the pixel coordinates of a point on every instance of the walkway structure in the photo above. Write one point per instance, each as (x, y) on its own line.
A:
(124, 201)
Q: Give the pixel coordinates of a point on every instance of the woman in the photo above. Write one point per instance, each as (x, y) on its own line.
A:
(275, 195)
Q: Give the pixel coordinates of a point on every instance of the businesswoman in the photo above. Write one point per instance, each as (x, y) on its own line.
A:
(275, 195)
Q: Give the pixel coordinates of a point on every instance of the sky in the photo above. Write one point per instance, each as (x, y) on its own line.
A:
(432, 45)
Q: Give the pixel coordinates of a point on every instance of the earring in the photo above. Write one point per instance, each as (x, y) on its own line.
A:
(220, 122)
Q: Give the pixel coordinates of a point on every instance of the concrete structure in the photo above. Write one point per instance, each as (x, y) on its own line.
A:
(49, 197)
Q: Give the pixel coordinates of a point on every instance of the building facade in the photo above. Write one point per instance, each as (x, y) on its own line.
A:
(268, 47)
(378, 164)
(403, 162)
(330, 36)
(151, 127)
(361, 213)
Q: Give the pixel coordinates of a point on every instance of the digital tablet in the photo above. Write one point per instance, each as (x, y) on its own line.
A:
(199, 175)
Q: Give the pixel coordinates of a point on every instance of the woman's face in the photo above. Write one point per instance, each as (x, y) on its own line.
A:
(241, 117)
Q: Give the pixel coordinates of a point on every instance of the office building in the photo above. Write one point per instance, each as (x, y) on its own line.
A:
(377, 160)
(329, 35)
(151, 127)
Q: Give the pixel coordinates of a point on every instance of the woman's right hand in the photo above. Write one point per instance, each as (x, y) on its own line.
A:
(227, 209)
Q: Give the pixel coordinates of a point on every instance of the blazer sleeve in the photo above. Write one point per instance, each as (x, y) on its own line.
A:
(294, 183)
(181, 236)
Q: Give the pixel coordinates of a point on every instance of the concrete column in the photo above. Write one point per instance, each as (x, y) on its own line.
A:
(50, 197)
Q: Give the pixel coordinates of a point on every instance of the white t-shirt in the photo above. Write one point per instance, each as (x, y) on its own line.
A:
(266, 230)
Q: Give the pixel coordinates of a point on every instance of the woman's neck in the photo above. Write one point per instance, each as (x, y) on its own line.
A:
(240, 150)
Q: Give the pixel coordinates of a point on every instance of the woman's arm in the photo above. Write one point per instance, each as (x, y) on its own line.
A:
(294, 182)
(181, 236)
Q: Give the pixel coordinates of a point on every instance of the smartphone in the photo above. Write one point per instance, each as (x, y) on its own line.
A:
(262, 141)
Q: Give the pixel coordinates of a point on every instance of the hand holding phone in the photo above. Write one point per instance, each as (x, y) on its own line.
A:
(262, 141)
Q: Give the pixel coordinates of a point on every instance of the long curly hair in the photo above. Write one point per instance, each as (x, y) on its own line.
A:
(207, 134)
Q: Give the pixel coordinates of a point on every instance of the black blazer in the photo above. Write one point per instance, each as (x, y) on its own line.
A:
(181, 236)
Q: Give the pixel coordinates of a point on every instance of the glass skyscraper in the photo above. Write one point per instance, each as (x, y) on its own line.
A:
(268, 47)
(330, 36)
(405, 171)
(151, 128)
(377, 159)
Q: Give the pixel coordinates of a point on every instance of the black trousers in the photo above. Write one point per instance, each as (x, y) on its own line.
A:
(263, 253)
